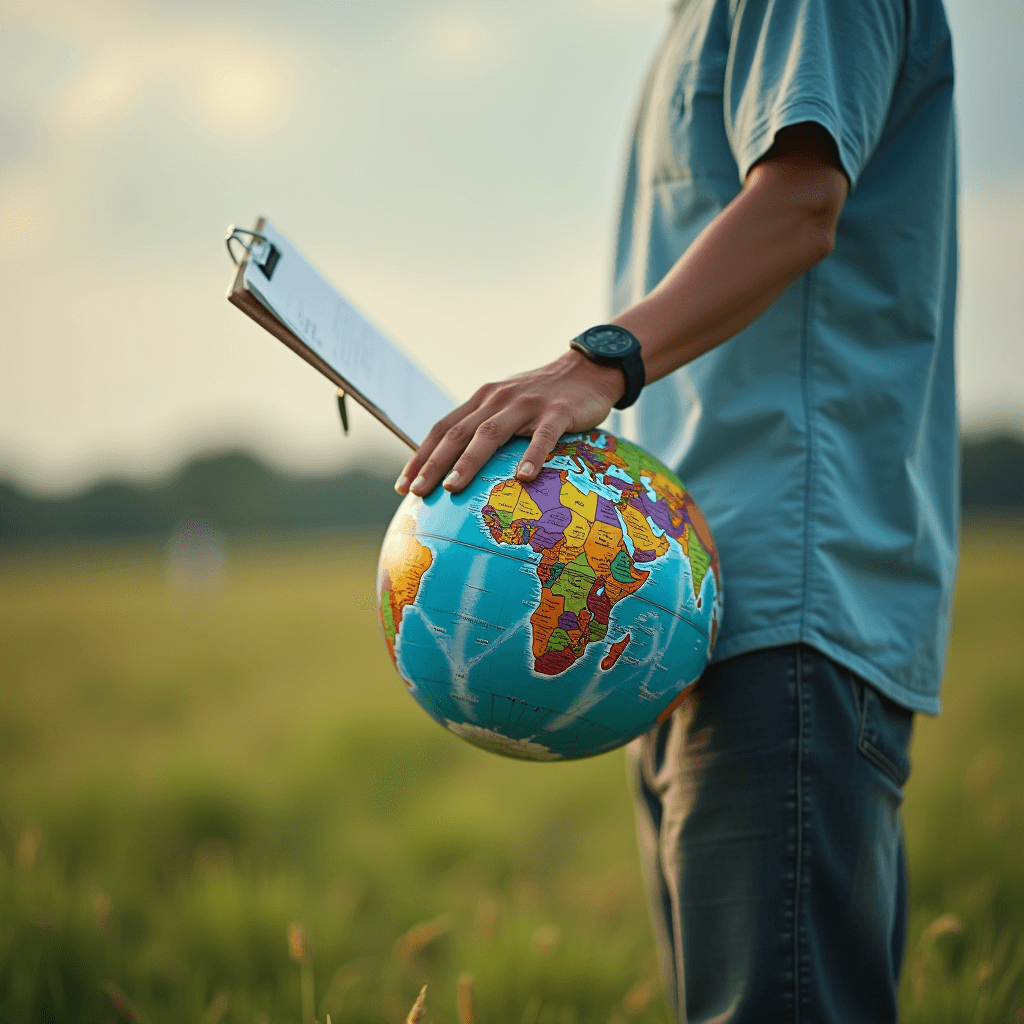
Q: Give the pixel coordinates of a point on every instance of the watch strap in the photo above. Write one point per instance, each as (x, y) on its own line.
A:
(630, 362)
(633, 367)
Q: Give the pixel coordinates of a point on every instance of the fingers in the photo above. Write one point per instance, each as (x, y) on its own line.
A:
(414, 466)
(543, 404)
(472, 442)
(544, 439)
(488, 437)
(492, 432)
(471, 434)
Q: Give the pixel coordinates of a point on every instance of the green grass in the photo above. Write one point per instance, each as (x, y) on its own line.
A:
(182, 779)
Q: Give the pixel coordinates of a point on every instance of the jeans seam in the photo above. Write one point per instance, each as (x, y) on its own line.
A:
(798, 868)
(809, 457)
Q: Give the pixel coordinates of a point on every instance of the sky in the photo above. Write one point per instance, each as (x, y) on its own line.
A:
(452, 167)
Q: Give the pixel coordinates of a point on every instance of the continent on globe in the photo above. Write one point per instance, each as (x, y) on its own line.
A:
(403, 562)
(586, 565)
(614, 653)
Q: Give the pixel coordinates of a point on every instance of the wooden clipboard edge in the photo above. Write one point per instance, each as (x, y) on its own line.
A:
(240, 296)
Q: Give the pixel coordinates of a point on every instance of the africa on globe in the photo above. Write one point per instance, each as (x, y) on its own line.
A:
(558, 618)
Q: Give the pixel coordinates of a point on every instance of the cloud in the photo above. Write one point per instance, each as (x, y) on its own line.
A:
(452, 44)
(99, 95)
(232, 83)
(459, 40)
(239, 86)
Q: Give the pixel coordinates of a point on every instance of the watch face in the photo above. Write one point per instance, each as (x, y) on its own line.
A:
(605, 342)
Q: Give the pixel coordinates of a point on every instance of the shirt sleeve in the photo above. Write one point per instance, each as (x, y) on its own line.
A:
(834, 62)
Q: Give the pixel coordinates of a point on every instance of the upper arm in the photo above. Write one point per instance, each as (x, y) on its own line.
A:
(804, 163)
(815, 77)
(801, 180)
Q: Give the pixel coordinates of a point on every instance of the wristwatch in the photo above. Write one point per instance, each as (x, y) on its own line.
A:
(610, 345)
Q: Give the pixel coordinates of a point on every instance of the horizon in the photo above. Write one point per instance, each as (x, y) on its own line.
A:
(384, 470)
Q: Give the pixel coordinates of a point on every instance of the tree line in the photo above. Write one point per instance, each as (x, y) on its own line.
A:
(238, 494)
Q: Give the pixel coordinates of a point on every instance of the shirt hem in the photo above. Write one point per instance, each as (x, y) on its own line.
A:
(780, 636)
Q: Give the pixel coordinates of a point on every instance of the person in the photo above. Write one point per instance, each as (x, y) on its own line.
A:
(786, 263)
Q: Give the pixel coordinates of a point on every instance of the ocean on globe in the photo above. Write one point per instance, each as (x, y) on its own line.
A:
(553, 619)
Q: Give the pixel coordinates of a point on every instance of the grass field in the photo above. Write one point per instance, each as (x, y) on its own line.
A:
(184, 778)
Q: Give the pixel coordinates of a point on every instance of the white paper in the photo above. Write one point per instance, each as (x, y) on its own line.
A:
(302, 300)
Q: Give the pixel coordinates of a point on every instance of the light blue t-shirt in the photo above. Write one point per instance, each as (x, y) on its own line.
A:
(821, 442)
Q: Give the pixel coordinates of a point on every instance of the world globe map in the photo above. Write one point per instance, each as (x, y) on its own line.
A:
(556, 618)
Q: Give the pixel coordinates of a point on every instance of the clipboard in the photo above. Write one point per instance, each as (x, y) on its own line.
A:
(277, 288)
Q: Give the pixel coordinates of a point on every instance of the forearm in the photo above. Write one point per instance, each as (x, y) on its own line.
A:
(780, 225)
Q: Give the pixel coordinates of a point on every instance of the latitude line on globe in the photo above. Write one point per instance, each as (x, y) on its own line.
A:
(538, 707)
(551, 712)
(669, 611)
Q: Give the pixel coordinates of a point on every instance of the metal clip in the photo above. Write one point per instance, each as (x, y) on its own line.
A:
(261, 250)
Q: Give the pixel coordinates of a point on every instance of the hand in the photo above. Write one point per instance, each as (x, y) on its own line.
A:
(569, 394)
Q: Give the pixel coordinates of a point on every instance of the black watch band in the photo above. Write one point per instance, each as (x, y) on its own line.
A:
(611, 345)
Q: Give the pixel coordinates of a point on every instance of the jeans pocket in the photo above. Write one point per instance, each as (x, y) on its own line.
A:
(884, 733)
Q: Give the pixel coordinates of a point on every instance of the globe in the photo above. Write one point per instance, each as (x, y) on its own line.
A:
(558, 618)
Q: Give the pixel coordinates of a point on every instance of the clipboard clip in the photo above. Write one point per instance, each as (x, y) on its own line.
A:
(261, 250)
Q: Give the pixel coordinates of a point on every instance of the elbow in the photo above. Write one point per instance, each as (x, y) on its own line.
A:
(820, 240)
(806, 201)
(820, 216)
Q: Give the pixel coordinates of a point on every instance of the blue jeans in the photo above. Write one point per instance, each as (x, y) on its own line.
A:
(768, 815)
